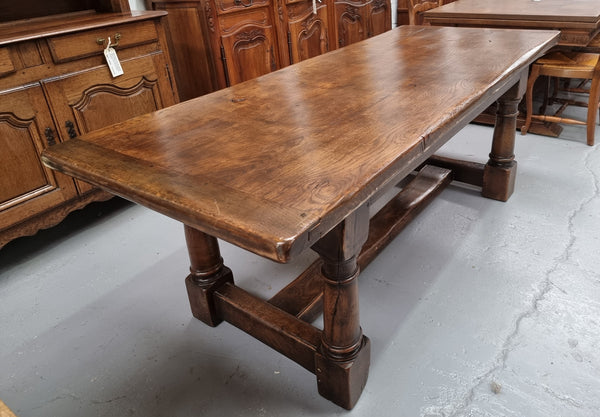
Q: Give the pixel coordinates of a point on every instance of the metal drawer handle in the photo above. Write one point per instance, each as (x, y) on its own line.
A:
(102, 41)
(50, 136)
(70, 129)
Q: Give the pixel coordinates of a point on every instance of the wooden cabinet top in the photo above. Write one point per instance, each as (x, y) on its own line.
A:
(36, 28)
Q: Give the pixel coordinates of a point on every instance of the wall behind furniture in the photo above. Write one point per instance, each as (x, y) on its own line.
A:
(137, 5)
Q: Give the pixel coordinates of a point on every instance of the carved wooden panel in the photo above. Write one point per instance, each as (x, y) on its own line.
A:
(352, 22)
(249, 53)
(308, 32)
(18, 140)
(26, 186)
(380, 17)
(101, 103)
(90, 100)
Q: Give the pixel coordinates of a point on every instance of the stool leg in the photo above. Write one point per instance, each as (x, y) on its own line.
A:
(535, 73)
(593, 110)
(547, 98)
(207, 273)
(342, 364)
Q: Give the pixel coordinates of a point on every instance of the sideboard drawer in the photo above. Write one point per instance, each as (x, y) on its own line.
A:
(73, 46)
(225, 6)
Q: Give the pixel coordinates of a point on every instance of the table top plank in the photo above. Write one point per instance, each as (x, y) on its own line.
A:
(273, 163)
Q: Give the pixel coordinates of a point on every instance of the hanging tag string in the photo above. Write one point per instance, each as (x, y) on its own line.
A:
(315, 5)
(114, 65)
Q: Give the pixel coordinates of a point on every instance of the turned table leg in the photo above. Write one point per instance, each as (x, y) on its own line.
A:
(501, 169)
(342, 363)
(207, 273)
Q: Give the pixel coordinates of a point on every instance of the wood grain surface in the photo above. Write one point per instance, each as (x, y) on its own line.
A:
(274, 163)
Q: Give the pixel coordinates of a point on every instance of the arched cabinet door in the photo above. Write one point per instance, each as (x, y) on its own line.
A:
(352, 21)
(89, 100)
(248, 48)
(27, 187)
(380, 17)
(308, 32)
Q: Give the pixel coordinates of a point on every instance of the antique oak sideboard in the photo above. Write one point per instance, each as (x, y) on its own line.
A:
(262, 166)
(55, 85)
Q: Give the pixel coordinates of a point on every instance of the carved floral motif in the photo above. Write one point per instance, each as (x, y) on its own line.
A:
(379, 4)
(209, 16)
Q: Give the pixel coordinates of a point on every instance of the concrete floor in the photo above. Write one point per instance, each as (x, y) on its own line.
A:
(479, 308)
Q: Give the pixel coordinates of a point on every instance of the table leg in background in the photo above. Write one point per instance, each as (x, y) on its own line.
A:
(501, 169)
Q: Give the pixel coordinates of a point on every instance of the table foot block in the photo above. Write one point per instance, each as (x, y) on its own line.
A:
(343, 382)
(499, 181)
(201, 296)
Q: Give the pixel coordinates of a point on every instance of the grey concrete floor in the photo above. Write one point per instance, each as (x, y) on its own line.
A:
(479, 308)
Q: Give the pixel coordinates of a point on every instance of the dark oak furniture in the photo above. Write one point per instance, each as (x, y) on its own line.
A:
(218, 43)
(55, 85)
(578, 22)
(263, 166)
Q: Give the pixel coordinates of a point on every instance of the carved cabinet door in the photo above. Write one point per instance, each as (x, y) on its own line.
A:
(89, 100)
(352, 19)
(249, 50)
(27, 187)
(308, 33)
(380, 17)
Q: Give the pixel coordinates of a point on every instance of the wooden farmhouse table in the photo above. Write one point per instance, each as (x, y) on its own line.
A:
(294, 159)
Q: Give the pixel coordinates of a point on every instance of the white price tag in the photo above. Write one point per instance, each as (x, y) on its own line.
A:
(113, 60)
(314, 4)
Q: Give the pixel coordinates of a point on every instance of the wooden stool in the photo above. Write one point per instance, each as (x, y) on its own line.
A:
(571, 65)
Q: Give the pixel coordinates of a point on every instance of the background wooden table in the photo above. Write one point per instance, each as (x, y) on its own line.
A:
(578, 21)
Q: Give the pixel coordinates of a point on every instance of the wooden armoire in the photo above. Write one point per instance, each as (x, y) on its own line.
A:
(55, 85)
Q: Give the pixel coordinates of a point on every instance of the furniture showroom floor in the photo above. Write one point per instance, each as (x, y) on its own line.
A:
(478, 308)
